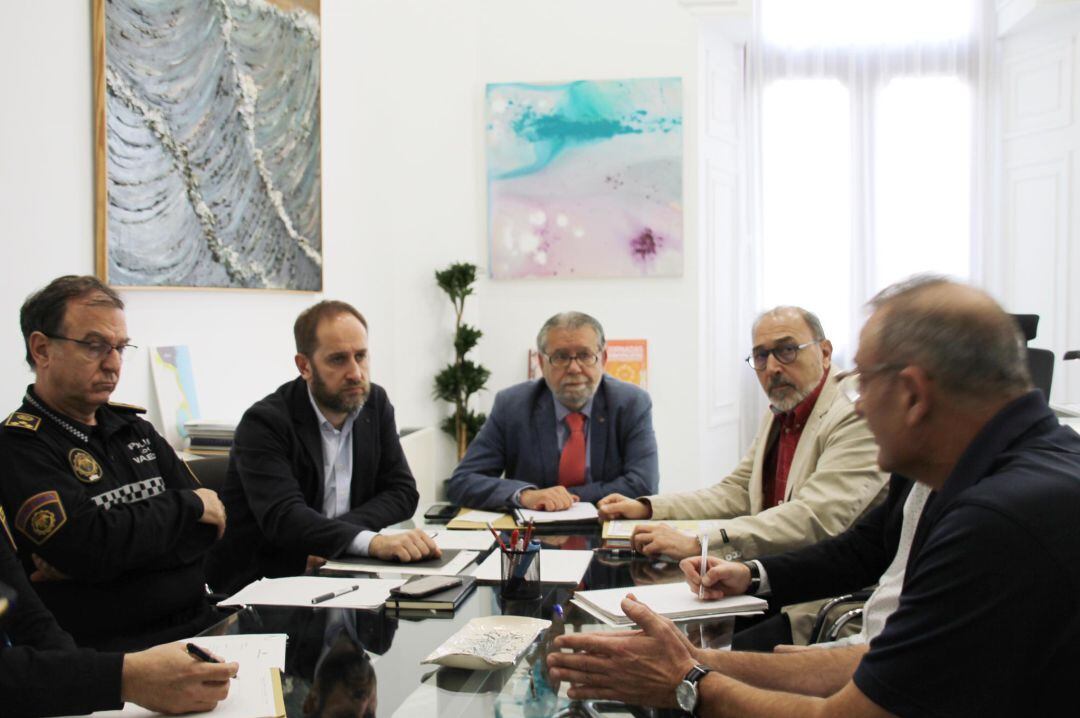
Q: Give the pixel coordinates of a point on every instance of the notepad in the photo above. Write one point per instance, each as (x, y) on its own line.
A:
(674, 600)
(624, 528)
(299, 590)
(450, 563)
(582, 511)
(256, 690)
(478, 520)
(555, 566)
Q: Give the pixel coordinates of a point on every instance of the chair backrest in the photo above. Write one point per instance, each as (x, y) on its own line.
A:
(210, 470)
(1040, 361)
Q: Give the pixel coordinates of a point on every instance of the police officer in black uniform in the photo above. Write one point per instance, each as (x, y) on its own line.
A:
(109, 523)
(43, 673)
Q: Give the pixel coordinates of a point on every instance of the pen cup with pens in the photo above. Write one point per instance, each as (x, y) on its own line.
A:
(520, 578)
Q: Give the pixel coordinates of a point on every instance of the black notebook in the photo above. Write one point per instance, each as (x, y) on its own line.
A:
(447, 600)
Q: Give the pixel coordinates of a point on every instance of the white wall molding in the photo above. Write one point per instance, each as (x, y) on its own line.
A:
(1038, 89)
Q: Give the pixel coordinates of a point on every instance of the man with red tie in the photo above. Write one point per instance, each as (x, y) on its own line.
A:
(577, 435)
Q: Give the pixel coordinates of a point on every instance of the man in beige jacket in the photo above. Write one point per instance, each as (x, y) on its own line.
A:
(810, 473)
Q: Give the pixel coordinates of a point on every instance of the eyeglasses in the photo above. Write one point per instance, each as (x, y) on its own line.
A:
(853, 389)
(784, 353)
(561, 360)
(95, 348)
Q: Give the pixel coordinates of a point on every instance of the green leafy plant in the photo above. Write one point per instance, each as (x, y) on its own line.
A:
(457, 382)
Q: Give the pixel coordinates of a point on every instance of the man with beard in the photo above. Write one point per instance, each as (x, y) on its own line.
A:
(578, 434)
(316, 467)
(809, 474)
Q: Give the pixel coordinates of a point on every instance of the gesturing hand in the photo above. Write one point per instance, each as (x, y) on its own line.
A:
(642, 667)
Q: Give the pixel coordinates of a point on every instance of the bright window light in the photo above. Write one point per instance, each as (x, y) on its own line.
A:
(806, 199)
(853, 23)
(923, 179)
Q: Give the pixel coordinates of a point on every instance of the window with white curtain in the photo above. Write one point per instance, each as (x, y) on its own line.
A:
(867, 126)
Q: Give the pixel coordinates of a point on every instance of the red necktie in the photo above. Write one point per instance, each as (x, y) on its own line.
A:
(572, 463)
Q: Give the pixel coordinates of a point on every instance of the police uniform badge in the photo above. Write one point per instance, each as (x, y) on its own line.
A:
(7, 530)
(22, 420)
(86, 467)
(41, 516)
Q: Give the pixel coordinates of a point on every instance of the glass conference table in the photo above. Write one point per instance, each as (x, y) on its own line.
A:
(378, 654)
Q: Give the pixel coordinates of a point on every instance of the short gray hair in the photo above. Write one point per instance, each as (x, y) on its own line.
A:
(972, 348)
(569, 320)
(816, 330)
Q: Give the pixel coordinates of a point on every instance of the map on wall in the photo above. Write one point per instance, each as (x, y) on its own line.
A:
(208, 143)
(585, 178)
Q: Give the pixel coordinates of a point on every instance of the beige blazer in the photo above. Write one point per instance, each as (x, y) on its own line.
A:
(834, 479)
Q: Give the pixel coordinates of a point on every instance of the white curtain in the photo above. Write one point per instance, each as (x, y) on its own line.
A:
(868, 136)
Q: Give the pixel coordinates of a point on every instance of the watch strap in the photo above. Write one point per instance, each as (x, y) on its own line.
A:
(755, 577)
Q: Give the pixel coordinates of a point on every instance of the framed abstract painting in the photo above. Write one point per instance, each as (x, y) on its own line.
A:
(208, 143)
(585, 178)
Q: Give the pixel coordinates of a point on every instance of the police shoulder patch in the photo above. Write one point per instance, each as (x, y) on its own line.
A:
(7, 530)
(22, 420)
(41, 516)
(127, 407)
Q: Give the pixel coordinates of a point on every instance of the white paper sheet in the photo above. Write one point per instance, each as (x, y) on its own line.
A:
(480, 517)
(299, 590)
(674, 600)
(555, 566)
(624, 528)
(468, 539)
(251, 693)
(451, 568)
(581, 511)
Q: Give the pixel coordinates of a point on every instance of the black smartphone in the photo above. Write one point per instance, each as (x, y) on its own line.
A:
(425, 586)
(441, 512)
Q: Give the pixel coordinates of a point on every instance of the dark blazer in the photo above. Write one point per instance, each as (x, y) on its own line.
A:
(848, 562)
(519, 439)
(274, 487)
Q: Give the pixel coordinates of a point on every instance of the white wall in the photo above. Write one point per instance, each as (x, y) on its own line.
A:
(403, 195)
(1036, 266)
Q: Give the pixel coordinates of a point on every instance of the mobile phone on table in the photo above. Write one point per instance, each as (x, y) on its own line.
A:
(425, 586)
(441, 512)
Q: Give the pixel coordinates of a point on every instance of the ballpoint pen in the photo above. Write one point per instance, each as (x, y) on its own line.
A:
(334, 594)
(201, 654)
(703, 539)
(498, 538)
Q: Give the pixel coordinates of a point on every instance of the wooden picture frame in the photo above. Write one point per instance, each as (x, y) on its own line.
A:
(207, 144)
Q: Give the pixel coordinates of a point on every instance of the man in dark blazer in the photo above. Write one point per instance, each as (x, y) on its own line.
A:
(316, 468)
(576, 435)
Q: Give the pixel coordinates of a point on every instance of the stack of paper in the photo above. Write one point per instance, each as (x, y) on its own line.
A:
(450, 563)
(581, 512)
(674, 600)
(478, 520)
(624, 528)
(370, 593)
(555, 566)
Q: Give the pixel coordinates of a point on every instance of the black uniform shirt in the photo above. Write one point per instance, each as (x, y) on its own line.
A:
(112, 507)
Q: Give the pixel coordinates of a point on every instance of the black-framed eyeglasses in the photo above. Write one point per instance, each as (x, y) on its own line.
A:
(561, 360)
(95, 348)
(784, 353)
(853, 389)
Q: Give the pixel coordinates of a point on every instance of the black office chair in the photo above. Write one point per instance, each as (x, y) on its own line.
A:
(1040, 361)
(210, 471)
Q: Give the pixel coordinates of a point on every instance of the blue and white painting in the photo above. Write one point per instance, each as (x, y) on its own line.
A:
(585, 178)
(212, 132)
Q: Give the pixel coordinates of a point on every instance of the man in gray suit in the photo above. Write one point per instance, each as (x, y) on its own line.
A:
(577, 435)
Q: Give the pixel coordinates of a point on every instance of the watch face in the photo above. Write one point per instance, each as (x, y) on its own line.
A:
(686, 696)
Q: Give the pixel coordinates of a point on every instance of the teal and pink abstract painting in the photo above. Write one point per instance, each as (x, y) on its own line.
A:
(585, 178)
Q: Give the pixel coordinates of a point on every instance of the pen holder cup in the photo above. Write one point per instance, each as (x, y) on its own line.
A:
(520, 578)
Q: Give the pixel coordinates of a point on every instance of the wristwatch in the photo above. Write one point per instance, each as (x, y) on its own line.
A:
(755, 577)
(686, 693)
